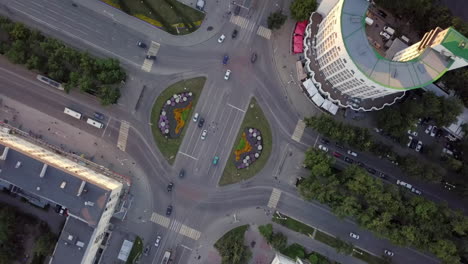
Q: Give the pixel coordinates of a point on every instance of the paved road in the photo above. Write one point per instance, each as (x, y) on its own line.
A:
(196, 199)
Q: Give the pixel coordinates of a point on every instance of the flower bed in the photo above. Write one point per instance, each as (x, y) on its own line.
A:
(249, 148)
(174, 114)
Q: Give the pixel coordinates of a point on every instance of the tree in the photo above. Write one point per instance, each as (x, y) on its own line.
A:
(34, 62)
(45, 244)
(17, 52)
(278, 241)
(302, 9)
(231, 246)
(109, 95)
(276, 20)
(266, 231)
(294, 251)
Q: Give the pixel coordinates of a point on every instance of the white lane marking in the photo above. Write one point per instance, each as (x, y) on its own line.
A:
(184, 246)
(299, 130)
(243, 111)
(123, 135)
(185, 154)
(274, 198)
(107, 125)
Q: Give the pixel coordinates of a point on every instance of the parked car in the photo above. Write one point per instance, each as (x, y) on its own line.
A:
(382, 13)
(227, 75)
(99, 116)
(170, 186)
(355, 236)
(337, 154)
(325, 141)
(253, 58)
(352, 153)
(371, 171)
(158, 240)
(385, 35)
(389, 30)
(200, 5)
(338, 145)
(389, 253)
(360, 164)
(195, 117)
(404, 184)
(428, 129)
(141, 44)
(169, 210)
(349, 160)
(413, 133)
(433, 131)
(322, 147)
(225, 59)
(182, 173)
(237, 10)
(416, 191)
(221, 38)
(382, 175)
(203, 134)
(146, 250)
(215, 160)
(234, 33)
(410, 141)
(201, 122)
(419, 146)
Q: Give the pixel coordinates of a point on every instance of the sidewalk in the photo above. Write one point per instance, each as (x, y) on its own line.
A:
(214, 12)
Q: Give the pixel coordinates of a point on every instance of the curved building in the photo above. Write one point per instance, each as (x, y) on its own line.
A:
(349, 70)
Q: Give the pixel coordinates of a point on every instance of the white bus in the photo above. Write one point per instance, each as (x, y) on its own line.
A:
(72, 113)
(94, 123)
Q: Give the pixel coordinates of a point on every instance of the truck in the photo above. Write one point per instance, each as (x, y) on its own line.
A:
(166, 257)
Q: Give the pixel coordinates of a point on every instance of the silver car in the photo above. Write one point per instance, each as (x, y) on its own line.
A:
(158, 240)
(203, 134)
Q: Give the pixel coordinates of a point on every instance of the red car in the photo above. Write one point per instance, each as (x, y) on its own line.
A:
(337, 154)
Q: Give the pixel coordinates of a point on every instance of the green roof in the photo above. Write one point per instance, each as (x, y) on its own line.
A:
(456, 43)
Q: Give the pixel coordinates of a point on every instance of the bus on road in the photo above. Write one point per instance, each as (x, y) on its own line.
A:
(94, 123)
(72, 113)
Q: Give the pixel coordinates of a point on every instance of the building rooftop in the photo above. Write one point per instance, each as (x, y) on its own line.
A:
(425, 69)
(56, 185)
(72, 242)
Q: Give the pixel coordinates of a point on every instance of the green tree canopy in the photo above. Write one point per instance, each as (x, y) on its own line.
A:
(302, 9)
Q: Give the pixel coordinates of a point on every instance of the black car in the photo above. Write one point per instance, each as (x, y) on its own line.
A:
(325, 141)
(253, 58)
(360, 164)
(382, 175)
(150, 57)
(234, 33)
(141, 44)
(382, 13)
(338, 145)
(371, 171)
(170, 186)
(349, 160)
(237, 10)
(169, 210)
(98, 115)
(181, 173)
(225, 59)
(201, 122)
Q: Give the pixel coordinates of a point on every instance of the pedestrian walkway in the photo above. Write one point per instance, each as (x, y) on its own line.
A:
(152, 51)
(242, 22)
(123, 135)
(264, 32)
(274, 198)
(190, 232)
(160, 220)
(299, 130)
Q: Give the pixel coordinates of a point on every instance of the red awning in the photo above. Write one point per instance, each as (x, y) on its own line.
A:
(300, 28)
(297, 44)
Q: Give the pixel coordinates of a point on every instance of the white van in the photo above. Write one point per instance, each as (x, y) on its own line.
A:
(405, 39)
(389, 30)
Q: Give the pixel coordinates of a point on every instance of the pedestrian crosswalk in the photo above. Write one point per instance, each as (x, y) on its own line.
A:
(298, 131)
(274, 198)
(123, 135)
(175, 226)
(264, 32)
(160, 220)
(242, 22)
(152, 51)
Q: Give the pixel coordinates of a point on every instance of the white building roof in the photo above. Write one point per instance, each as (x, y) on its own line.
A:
(318, 99)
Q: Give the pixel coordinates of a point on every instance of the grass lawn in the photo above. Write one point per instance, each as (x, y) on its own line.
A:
(253, 118)
(233, 234)
(371, 259)
(294, 225)
(169, 147)
(136, 250)
(165, 14)
(325, 238)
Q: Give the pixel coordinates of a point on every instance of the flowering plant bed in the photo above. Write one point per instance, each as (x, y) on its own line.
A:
(249, 148)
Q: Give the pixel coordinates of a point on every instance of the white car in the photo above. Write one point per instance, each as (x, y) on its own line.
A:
(352, 153)
(433, 131)
(385, 35)
(419, 146)
(195, 117)
(404, 184)
(410, 140)
(203, 134)
(428, 129)
(413, 133)
(355, 236)
(389, 253)
(221, 39)
(227, 75)
(322, 147)
(158, 240)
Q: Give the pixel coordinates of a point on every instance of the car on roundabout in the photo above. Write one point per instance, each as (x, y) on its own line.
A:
(215, 160)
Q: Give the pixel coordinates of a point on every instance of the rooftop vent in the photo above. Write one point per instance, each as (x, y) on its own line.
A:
(18, 164)
(63, 185)
(43, 171)
(80, 244)
(5, 153)
(70, 237)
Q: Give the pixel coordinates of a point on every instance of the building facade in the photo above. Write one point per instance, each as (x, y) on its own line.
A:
(354, 69)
